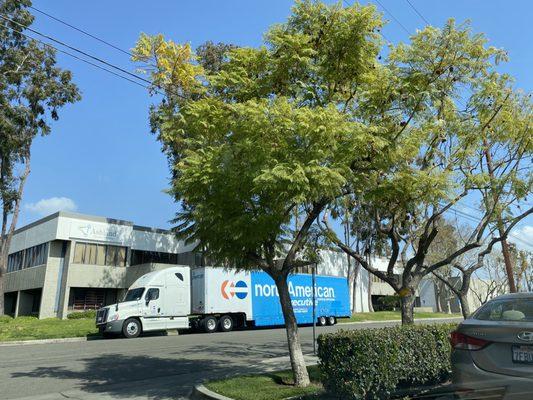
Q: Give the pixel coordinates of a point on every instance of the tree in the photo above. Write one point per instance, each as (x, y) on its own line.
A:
(32, 91)
(448, 107)
(491, 279)
(268, 134)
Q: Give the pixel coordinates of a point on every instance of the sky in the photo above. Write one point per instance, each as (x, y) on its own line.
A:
(101, 158)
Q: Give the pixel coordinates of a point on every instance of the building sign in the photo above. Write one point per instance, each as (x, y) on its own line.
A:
(100, 231)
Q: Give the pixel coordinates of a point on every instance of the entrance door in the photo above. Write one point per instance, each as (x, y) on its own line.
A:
(152, 311)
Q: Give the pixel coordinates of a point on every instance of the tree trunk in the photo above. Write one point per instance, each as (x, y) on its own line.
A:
(437, 296)
(465, 306)
(370, 306)
(7, 234)
(356, 270)
(299, 369)
(2, 305)
(408, 303)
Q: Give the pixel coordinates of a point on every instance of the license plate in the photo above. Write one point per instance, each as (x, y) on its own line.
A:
(523, 354)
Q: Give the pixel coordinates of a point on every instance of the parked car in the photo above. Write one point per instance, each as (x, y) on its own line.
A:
(493, 350)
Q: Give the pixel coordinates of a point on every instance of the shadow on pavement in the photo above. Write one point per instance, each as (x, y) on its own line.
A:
(129, 376)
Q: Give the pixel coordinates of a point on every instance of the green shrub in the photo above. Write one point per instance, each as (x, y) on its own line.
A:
(388, 303)
(88, 314)
(4, 319)
(372, 363)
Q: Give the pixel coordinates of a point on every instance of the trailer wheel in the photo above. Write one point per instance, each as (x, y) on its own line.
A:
(332, 320)
(322, 321)
(131, 328)
(209, 324)
(226, 323)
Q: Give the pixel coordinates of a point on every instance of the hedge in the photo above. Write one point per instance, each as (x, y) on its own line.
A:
(373, 363)
(82, 315)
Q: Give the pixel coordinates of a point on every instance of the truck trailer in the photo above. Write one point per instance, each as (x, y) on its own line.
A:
(211, 299)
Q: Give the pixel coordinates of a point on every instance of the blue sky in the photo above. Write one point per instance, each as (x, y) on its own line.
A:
(101, 159)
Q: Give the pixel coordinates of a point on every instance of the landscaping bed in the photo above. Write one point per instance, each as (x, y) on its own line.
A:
(365, 364)
(32, 328)
(270, 386)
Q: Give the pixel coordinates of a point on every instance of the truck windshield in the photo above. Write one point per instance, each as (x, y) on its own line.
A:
(134, 294)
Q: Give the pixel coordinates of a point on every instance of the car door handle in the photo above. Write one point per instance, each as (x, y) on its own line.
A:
(159, 310)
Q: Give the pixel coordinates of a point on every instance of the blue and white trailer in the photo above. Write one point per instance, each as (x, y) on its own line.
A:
(214, 299)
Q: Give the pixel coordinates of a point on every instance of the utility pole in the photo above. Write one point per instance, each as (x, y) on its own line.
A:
(499, 221)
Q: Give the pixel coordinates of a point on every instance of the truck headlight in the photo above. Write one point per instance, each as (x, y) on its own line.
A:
(114, 317)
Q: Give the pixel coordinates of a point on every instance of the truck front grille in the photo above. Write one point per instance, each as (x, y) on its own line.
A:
(101, 316)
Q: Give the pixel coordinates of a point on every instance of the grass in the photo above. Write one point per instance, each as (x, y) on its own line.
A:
(32, 328)
(270, 386)
(393, 315)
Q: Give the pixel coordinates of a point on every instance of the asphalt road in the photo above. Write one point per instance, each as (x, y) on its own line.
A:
(154, 367)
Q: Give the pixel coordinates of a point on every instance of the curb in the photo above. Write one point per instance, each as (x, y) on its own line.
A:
(200, 392)
(85, 339)
(45, 341)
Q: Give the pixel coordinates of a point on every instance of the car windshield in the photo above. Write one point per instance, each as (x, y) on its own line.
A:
(506, 310)
(134, 294)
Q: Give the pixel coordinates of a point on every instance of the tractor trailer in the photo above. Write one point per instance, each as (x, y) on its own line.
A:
(217, 299)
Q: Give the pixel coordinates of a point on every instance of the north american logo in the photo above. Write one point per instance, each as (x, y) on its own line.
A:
(230, 289)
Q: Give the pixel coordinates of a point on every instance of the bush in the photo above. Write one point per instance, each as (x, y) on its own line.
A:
(4, 319)
(88, 314)
(388, 303)
(373, 363)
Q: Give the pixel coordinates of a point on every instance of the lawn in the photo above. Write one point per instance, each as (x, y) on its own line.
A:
(270, 386)
(31, 328)
(393, 315)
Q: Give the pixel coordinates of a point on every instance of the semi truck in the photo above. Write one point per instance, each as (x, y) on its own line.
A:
(217, 299)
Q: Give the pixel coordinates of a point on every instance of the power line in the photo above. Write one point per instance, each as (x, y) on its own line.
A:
(82, 31)
(477, 220)
(80, 59)
(418, 12)
(152, 87)
(393, 17)
(76, 49)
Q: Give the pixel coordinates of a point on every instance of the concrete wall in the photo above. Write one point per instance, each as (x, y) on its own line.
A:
(29, 278)
(52, 282)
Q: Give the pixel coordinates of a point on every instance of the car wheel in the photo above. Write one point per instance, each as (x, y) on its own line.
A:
(332, 320)
(209, 324)
(322, 321)
(131, 328)
(226, 323)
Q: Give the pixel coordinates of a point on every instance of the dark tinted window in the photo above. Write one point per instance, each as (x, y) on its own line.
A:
(134, 294)
(506, 310)
(152, 294)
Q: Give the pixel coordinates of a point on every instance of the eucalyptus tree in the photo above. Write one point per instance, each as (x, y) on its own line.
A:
(267, 133)
(32, 91)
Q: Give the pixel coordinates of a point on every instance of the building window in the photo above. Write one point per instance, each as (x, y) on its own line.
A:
(99, 254)
(31, 257)
(156, 257)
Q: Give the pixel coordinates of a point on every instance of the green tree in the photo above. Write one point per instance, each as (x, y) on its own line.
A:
(449, 108)
(32, 91)
(268, 134)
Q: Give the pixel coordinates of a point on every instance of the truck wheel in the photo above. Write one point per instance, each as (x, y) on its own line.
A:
(226, 323)
(209, 324)
(322, 321)
(131, 328)
(332, 320)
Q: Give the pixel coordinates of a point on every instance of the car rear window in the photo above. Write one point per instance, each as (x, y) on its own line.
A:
(506, 310)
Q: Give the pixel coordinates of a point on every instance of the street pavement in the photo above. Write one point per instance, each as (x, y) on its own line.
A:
(152, 367)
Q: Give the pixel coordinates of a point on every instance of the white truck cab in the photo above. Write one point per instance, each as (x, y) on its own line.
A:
(159, 300)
